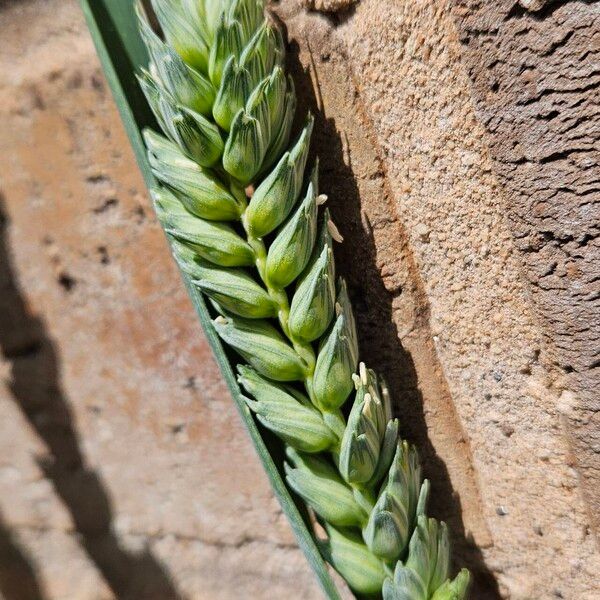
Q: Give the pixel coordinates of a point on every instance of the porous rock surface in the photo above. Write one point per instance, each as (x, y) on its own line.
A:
(433, 218)
(535, 86)
(125, 471)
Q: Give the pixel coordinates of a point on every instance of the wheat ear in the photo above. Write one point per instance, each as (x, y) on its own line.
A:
(245, 221)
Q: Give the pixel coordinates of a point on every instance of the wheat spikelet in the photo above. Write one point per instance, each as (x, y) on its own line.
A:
(244, 217)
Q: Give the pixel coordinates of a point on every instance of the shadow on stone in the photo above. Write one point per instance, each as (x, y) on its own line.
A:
(18, 579)
(36, 389)
(378, 336)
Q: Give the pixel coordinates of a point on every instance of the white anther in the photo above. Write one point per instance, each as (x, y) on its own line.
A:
(364, 377)
(334, 231)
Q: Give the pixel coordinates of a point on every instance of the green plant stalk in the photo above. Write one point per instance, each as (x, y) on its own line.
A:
(370, 498)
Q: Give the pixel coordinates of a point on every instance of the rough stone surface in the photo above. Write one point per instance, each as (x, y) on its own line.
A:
(535, 82)
(442, 245)
(125, 469)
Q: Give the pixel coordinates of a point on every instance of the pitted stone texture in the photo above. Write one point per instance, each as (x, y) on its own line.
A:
(485, 329)
(493, 355)
(535, 86)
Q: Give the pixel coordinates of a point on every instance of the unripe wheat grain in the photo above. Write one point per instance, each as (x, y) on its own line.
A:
(245, 223)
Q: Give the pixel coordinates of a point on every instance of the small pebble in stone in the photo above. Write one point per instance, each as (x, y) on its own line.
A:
(423, 232)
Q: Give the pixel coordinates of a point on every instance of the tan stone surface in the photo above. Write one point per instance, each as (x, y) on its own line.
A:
(123, 462)
(433, 217)
(535, 88)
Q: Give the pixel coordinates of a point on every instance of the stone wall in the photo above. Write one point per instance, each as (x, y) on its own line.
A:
(535, 86)
(473, 367)
(125, 469)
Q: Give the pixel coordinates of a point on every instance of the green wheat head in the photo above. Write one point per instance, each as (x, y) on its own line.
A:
(245, 219)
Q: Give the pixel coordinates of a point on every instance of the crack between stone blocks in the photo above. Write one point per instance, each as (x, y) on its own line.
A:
(157, 537)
